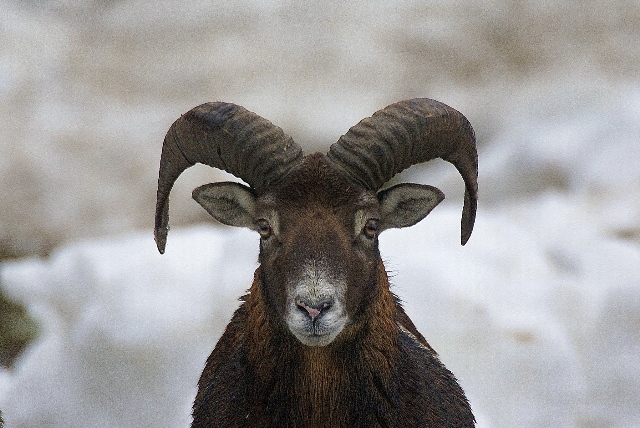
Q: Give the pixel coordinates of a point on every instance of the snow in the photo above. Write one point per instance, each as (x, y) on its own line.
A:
(121, 321)
(538, 315)
(542, 329)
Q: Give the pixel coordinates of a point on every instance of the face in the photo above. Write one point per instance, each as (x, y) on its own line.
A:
(318, 255)
(319, 242)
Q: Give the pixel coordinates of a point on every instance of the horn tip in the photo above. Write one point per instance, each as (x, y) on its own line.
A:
(160, 236)
(468, 215)
(465, 237)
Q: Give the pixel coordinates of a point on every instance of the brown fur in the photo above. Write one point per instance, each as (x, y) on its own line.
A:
(373, 376)
(378, 372)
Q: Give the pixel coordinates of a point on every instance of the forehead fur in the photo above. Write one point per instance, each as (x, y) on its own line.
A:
(315, 181)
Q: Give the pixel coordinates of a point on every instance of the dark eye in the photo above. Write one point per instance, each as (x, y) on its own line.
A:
(371, 228)
(264, 228)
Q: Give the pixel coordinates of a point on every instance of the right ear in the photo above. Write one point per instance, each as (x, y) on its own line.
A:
(230, 203)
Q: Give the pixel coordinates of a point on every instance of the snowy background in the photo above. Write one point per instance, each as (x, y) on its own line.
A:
(538, 315)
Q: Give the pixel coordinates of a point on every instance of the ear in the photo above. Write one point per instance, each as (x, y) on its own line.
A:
(406, 204)
(229, 203)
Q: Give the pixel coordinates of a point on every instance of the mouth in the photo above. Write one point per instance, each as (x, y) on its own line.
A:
(320, 332)
(314, 338)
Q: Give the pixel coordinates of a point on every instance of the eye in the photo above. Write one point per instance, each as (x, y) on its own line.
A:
(371, 228)
(264, 228)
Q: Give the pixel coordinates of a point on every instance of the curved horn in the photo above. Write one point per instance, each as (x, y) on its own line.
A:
(228, 137)
(407, 133)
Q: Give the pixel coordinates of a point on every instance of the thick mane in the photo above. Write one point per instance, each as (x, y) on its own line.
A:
(363, 380)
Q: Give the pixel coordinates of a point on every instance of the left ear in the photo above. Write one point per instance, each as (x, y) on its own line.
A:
(406, 204)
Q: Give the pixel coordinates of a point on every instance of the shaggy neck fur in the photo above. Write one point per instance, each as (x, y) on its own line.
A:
(378, 372)
(324, 384)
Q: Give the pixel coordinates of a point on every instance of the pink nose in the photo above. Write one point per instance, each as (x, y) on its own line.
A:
(314, 310)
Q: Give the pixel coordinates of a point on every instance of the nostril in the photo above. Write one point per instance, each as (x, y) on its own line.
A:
(314, 310)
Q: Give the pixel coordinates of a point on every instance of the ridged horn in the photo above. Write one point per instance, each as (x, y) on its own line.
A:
(406, 133)
(228, 137)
